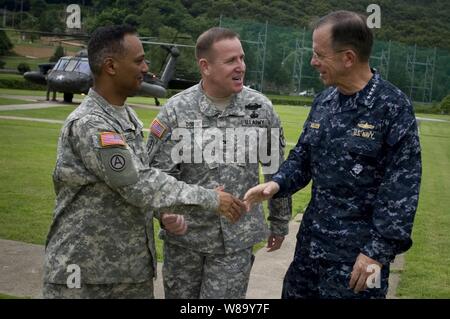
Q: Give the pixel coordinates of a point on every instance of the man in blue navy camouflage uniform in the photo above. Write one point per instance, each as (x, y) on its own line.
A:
(360, 147)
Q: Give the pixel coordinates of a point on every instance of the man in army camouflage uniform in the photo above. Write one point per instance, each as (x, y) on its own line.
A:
(100, 244)
(360, 148)
(210, 257)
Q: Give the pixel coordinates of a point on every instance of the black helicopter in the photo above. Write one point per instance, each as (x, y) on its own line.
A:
(72, 75)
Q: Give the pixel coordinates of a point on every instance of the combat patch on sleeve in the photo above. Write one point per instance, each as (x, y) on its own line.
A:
(111, 139)
(119, 166)
(157, 128)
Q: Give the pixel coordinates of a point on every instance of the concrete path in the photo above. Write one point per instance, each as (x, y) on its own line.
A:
(21, 269)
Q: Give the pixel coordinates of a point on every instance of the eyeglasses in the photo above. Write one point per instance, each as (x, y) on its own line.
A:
(321, 57)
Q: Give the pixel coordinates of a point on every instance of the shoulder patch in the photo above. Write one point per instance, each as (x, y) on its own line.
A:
(157, 128)
(110, 139)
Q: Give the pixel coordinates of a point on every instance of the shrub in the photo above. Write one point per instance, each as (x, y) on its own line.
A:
(23, 67)
(59, 53)
(445, 105)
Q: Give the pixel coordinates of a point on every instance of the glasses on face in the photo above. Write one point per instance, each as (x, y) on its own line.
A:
(321, 57)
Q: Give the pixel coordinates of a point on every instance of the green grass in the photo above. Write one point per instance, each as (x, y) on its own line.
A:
(54, 113)
(27, 217)
(145, 100)
(27, 157)
(435, 116)
(427, 271)
(28, 154)
(3, 296)
(8, 101)
(13, 61)
(9, 76)
(4, 91)
(306, 99)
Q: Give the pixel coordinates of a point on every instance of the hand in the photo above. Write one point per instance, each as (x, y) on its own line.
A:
(174, 223)
(361, 271)
(274, 242)
(259, 193)
(229, 206)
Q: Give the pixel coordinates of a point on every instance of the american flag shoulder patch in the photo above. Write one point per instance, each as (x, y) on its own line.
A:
(111, 138)
(157, 128)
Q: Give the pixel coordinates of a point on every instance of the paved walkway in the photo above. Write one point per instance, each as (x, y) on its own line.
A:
(21, 269)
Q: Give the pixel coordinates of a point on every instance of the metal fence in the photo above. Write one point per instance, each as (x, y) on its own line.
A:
(278, 61)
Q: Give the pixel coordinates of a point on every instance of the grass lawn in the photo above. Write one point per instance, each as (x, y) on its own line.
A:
(27, 199)
(427, 270)
(26, 192)
(3, 296)
(8, 76)
(13, 61)
(4, 91)
(9, 101)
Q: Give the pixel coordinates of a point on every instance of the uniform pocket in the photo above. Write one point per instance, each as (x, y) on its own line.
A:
(361, 161)
(313, 135)
(359, 147)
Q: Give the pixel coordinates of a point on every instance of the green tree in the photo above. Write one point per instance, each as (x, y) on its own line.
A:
(445, 104)
(5, 43)
(23, 67)
(59, 52)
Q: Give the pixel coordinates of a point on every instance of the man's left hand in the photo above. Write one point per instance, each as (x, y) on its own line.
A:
(360, 273)
(174, 223)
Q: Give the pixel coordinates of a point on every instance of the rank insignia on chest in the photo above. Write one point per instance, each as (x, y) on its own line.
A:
(315, 125)
(190, 123)
(253, 107)
(157, 128)
(111, 139)
(366, 126)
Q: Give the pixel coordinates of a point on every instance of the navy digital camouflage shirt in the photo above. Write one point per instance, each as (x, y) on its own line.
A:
(363, 156)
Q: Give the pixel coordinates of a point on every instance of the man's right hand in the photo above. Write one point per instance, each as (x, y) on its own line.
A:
(229, 206)
(259, 193)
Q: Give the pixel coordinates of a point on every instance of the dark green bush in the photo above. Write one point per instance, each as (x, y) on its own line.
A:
(445, 105)
(23, 67)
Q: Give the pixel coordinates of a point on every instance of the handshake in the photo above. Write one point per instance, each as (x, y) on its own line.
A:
(229, 206)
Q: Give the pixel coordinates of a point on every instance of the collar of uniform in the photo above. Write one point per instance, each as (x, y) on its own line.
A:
(234, 109)
(135, 120)
(109, 109)
(367, 95)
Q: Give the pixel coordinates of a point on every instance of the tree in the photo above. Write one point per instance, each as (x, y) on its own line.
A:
(59, 52)
(5, 43)
(23, 67)
(445, 105)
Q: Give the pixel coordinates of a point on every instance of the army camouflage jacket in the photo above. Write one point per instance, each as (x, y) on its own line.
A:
(364, 159)
(214, 151)
(104, 189)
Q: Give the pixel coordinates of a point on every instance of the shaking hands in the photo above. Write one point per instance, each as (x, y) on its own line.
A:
(229, 206)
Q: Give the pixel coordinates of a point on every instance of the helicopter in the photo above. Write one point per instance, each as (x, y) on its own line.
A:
(72, 75)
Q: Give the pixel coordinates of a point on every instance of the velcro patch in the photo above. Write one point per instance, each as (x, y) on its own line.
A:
(157, 128)
(110, 139)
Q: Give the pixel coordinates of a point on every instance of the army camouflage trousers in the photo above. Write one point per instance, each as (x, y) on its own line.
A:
(318, 278)
(142, 290)
(188, 274)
